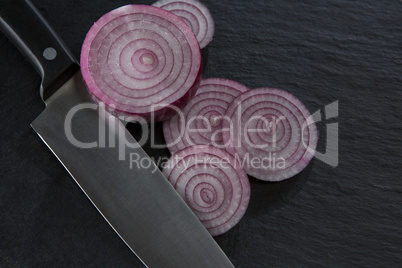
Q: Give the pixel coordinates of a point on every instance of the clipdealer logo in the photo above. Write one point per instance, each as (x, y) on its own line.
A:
(331, 154)
(113, 134)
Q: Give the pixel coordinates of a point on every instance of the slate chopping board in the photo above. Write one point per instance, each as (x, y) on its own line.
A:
(322, 52)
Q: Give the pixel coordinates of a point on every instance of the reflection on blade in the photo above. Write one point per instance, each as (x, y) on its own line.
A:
(139, 203)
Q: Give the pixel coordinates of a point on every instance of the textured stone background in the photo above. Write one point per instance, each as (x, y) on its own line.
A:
(321, 51)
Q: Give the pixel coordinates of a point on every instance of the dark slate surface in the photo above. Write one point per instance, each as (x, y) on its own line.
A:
(321, 51)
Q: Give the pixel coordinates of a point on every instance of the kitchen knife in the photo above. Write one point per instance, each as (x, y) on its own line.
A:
(96, 149)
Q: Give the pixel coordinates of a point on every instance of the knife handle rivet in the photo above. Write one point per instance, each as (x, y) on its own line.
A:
(49, 53)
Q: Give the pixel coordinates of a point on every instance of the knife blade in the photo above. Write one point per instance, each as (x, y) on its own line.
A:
(138, 202)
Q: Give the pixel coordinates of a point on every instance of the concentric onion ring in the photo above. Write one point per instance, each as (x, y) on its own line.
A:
(139, 60)
(195, 14)
(200, 122)
(212, 183)
(271, 132)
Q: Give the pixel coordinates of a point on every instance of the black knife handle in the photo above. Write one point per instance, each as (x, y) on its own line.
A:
(31, 33)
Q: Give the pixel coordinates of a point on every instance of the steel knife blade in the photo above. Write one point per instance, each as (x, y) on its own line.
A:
(138, 202)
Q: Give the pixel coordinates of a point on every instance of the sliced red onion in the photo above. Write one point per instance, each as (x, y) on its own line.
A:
(139, 60)
(212, 183)
(200, 122)
(271, 132)
(195, 14)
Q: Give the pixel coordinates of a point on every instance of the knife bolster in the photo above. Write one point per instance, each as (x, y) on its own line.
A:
(30, 32)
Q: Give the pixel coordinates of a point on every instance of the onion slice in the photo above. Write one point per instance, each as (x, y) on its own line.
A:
(140, 60)
(212, 183)
(271, 132)
(200, 122)
(195, 14)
